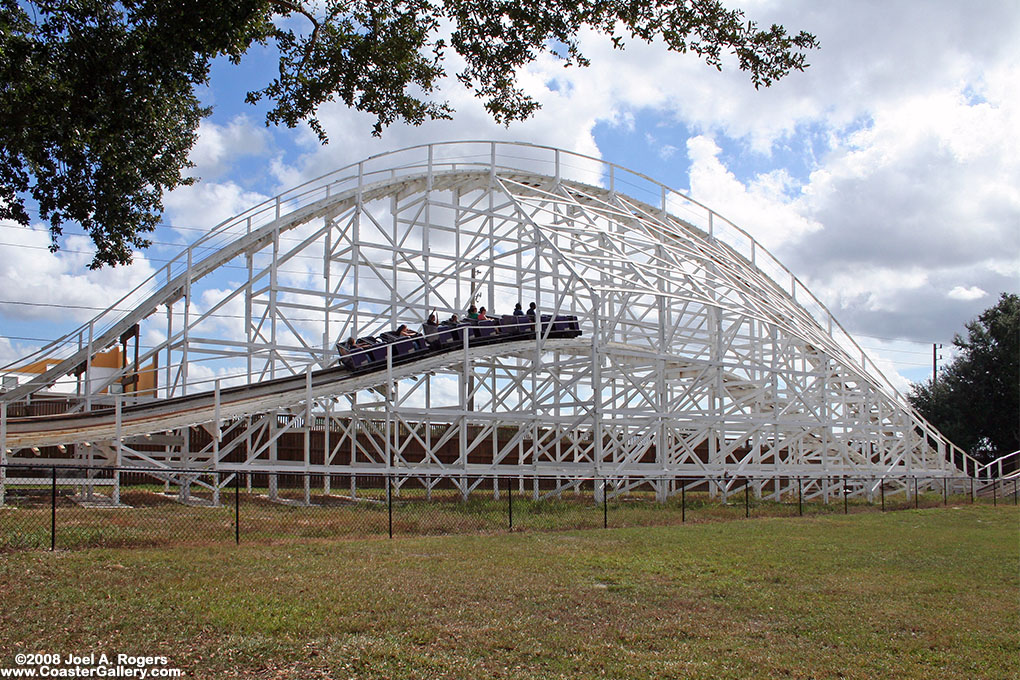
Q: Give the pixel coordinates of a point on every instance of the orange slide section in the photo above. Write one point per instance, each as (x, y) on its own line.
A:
(111, 359)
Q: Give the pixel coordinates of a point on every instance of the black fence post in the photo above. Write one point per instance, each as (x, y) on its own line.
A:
(747, 503)
(881, 488)
(510, 502)
(945, 491)
(237, 508)
(389, 502)
(683, 502)
(846, 508)
(53, 509)
(800, 497)
(605, 507)
(995, 487)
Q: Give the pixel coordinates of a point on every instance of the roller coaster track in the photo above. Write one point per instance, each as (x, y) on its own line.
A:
(234, 402)
(699, 347)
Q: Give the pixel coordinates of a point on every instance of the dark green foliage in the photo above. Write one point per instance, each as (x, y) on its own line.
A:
(976, 399)
(374, 54)
(98, 101)
(99, 110)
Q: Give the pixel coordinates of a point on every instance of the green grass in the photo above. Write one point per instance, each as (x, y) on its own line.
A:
(157, 520)
(912, 594)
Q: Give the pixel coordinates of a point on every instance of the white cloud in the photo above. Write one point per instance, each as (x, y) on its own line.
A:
(220, 146)
(889, 368)
(895, 358)
(11, 352)
(59, 286)
(929, 186)
(907, 123)
(664, 151)
(876, 289)
(207, 204)
(873, 54)
(962, 293)
(759, 206)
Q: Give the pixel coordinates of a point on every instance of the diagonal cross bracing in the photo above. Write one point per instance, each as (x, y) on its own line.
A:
(699, 352)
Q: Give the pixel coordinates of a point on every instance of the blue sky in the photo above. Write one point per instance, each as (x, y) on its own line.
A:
(886, 176)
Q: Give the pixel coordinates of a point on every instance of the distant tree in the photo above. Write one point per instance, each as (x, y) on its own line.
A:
(975, 400)
(98, 103)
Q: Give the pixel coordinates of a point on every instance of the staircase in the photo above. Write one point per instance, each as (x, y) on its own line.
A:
(999, 478)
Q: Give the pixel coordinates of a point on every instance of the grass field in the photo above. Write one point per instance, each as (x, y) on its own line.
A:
(929, 593)
(152, 519)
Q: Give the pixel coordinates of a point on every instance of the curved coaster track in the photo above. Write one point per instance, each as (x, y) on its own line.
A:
(668, 343)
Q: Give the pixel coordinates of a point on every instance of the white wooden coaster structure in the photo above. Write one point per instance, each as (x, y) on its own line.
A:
(701, 357)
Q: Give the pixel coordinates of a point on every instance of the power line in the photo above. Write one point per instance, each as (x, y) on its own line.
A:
(172, 227)
(317, 258)
(69, 342)
(910, 340)
(125, 311)
(164, 260)
(896, 351)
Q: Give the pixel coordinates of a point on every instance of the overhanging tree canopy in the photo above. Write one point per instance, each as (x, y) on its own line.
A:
(98, 97)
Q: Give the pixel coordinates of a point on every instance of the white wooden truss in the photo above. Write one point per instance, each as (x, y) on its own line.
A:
(701, 356)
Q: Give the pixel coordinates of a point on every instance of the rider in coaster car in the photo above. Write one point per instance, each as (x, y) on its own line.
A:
(353, 345)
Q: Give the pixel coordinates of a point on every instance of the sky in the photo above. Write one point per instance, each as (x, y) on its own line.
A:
(886, 176)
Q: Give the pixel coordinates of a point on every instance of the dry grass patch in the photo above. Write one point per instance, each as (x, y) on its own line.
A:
(913, 594)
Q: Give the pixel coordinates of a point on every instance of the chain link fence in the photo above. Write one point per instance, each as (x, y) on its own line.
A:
(71, 508)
